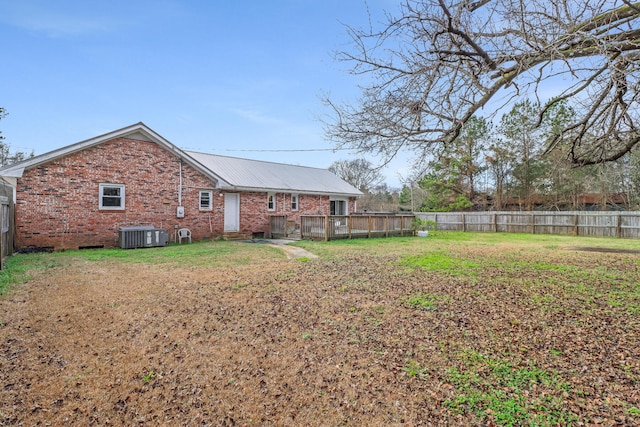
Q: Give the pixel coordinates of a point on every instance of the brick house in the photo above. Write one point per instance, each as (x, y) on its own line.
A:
(81, 195)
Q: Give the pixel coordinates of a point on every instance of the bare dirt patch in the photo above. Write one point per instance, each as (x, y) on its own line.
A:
(324, 342)
(604, 250)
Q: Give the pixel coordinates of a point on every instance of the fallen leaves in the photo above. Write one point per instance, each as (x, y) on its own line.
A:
(325, 342)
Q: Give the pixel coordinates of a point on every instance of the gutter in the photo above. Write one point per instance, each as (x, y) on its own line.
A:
(288, 190)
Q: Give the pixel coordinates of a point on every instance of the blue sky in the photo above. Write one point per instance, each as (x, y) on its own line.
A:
(221, 77)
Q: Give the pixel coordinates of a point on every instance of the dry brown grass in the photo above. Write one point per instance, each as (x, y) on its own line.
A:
(327, 342)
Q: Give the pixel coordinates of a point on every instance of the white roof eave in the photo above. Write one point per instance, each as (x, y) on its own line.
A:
(15, 172)
(281, 190)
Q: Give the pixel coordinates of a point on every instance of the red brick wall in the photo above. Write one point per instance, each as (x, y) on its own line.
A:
(254, 215)
(57, 203)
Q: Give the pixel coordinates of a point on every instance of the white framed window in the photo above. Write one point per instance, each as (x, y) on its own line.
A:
(206, 200)
(294, 202)
(271, 201)
(338, 207)
(111, 197)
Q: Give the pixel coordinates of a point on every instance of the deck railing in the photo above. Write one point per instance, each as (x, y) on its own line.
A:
(332, 227)
(280, 226)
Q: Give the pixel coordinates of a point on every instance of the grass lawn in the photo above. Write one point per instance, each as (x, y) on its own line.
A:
(453, 329)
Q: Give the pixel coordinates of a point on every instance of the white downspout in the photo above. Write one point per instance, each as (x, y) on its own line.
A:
(180, 185)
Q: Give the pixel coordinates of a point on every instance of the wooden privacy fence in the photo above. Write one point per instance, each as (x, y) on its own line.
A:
(7, 223)
(332, 227)
(575, 223)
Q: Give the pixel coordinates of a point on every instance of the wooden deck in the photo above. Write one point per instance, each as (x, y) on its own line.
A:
(333, 227)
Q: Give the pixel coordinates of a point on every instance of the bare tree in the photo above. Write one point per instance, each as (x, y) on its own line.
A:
(360, 173)
(4, 147)
(380, 198)
(3, 114)
(441, 61)
(6, 158)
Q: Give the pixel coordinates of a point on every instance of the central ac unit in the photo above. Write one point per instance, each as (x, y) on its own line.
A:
(142, 236)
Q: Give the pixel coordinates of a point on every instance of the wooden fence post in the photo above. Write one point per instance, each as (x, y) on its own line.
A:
(533, 223)
(619, 226)
(326, 228)
(3, 247)
(386, 226)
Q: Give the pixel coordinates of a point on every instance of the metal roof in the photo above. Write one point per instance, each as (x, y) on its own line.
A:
(228, 172)
(257, 175)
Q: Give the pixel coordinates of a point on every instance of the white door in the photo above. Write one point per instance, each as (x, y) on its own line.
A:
(231, 212)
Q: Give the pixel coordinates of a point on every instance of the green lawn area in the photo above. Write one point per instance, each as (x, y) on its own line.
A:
(471, 328)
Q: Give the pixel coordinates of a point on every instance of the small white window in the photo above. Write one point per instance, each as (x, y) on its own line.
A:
(271, 202)
(111, 197)
(294, 202)
(338, 207)
(205, 200)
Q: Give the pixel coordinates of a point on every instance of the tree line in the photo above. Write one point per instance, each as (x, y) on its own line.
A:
(504, 166)
(435, 75)
(509, 166)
